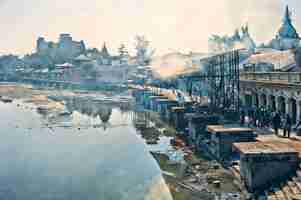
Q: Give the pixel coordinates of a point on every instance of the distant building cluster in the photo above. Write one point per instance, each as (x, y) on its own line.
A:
(239, 40)
(66, 47)
(69, 60)
(285, 39)
(93, 63)
(279, 54)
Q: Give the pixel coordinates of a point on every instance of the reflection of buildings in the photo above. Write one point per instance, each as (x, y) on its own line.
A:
(141, 120)
(104, 112)
(86, 107)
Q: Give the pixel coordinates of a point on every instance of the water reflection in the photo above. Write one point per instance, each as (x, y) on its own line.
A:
(67, 163)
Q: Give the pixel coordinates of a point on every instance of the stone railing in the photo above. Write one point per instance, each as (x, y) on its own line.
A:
(290, 77)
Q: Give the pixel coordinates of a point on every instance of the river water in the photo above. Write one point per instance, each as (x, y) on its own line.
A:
(76, 157)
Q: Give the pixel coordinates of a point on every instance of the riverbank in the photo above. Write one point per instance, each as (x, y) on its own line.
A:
(198, 176)
(203, 178)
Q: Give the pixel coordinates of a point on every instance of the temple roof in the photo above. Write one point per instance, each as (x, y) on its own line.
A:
(287, 29)
(104, 51)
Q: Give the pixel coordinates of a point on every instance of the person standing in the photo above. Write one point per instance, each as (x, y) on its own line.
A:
(242, 118)
(287, 126)
(276, 122)
(297, 127)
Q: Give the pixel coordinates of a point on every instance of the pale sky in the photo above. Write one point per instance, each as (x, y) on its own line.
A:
(170, 24)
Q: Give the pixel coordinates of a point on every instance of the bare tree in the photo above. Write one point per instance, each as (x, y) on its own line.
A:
(123, 54)
(144, 52)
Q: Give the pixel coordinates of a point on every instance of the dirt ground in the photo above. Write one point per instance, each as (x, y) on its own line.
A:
(210, 170)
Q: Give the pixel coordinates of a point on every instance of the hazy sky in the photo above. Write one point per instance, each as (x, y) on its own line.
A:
(170, 24)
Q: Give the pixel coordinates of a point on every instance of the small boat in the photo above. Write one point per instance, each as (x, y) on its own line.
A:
(151, 142)
(42, 109)
(6, 100)
(65, 113)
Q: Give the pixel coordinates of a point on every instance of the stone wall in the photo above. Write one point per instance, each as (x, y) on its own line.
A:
(222, 140)
(261, 170)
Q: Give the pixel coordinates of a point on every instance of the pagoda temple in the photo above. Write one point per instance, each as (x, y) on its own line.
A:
(287, 36)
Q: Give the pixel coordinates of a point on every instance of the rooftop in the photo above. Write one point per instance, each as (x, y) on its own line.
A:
(82, 57)
(223, 129)
(264, 148)
(279, 59)
(271, 144)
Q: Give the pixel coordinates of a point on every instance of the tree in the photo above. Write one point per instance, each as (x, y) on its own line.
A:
(123, 52)
(88, 70)
(143, 51)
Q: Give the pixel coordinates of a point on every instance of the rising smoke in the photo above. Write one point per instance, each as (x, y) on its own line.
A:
(263, 17)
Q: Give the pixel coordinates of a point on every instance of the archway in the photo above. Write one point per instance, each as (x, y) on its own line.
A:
(263, 100)
(281, 105)
(248, 100)
(273, 102)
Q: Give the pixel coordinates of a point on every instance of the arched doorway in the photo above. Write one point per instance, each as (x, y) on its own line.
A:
(273, 102)
(248, 100)
(263, 100)
(281, 105)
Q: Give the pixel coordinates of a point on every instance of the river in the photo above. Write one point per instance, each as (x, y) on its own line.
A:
(76, 156)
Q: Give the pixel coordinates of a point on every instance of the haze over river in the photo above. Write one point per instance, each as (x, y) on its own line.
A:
(74, 156)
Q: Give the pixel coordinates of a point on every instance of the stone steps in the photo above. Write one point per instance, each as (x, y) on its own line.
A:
(287, 192)
(294, 188)
(235, 172)
(279, 194)
(271, 196)
(297, 182)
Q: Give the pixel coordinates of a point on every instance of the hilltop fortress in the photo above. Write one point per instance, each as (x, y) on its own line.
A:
(66, 46)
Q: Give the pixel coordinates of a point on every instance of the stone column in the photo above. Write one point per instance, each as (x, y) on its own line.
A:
(243, 99)
(269, 102)
(277, 103)
(253, 99)
(298, 111)
(260, 102)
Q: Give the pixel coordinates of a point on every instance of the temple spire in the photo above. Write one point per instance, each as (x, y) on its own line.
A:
(247, 28)
(287, 16)
(287, 30)
(104, 50)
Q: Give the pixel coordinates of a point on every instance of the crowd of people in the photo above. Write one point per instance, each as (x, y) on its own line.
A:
(266, 118)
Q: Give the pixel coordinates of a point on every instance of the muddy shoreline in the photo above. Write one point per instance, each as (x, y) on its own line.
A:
(202, 177)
